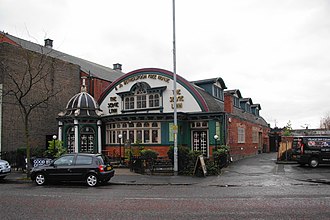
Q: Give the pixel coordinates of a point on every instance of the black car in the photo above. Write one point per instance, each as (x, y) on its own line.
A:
(91, 168)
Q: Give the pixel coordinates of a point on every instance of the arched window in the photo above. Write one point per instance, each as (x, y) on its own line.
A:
(154, 100)
(142, 96)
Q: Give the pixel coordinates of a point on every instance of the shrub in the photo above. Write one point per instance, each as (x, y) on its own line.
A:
(55, 149)
(221, 156)
(148, 154)
(186, 159)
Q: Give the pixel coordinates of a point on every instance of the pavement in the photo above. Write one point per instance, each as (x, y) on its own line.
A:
(123, 176)
(246, 172)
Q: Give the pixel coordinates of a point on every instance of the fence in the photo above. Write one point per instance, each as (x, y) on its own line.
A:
(285, 149)
(17, 160)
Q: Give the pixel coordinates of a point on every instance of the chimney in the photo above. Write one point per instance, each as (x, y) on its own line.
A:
(48, 43)
(117, 66)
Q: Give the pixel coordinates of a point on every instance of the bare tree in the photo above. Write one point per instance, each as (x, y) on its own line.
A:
(30, 84)
(325, 122)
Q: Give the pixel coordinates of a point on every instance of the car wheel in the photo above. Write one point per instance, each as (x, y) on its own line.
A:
(91, 179)
(40, 179)
(314, 162)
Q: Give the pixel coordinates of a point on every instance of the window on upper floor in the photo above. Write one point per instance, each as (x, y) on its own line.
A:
(236, 102)
(248, 107)
(242, 105)
(218, 92)
(154, 100)
(142, 98)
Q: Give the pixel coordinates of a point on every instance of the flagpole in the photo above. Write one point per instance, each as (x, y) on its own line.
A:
(175, 127)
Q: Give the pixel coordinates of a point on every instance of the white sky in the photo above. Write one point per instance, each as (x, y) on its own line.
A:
(274, 51)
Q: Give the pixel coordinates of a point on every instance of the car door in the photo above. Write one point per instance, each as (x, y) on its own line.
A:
(61, 168)
(82, 165)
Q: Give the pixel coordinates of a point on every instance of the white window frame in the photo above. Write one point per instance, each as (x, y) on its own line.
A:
(113, 130)
(241, 135)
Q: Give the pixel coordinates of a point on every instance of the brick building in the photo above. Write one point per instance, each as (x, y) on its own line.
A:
(62, 73)
(116, 110)
(138, 110)
(247, 130)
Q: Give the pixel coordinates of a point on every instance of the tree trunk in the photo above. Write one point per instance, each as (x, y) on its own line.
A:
(28, 149)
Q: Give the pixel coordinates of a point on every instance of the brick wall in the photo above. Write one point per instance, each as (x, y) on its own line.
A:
(113, 151)
(229, 103)
(251, 146)
(95, 86)
(62, 77)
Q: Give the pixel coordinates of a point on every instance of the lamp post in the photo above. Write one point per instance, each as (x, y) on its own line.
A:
(119, 137)
(54, 138)
(216, 137)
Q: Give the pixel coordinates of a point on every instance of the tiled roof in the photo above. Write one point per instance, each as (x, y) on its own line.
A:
(214, 104)
(86, 66)
(211, 81)
(234, 92)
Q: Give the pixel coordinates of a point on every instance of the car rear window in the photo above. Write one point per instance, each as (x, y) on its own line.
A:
(103, 159)
(84, 160)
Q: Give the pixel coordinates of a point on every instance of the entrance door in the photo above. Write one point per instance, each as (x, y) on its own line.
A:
(260, 150)
(70, 140)
(87, 139)
(200, 141)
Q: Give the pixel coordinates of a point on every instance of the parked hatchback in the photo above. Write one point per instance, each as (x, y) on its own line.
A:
(5, 168)
(91, 168)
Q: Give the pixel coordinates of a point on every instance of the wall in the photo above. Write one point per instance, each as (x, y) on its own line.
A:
(249, 147)
(63, 77)
(95, 86)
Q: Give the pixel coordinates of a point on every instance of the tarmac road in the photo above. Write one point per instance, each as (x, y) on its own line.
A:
(260, 170)
(253, 188)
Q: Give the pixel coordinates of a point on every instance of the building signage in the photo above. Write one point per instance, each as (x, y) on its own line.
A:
(179, 99)
(145, 76)
(113, 105)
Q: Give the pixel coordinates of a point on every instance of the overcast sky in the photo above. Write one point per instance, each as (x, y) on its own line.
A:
(276, 52)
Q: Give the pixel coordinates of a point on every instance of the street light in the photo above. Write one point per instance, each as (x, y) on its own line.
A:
(216, 137)
(119, 137)
(54, 138)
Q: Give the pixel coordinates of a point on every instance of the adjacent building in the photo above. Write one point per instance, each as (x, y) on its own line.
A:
(62, 74)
